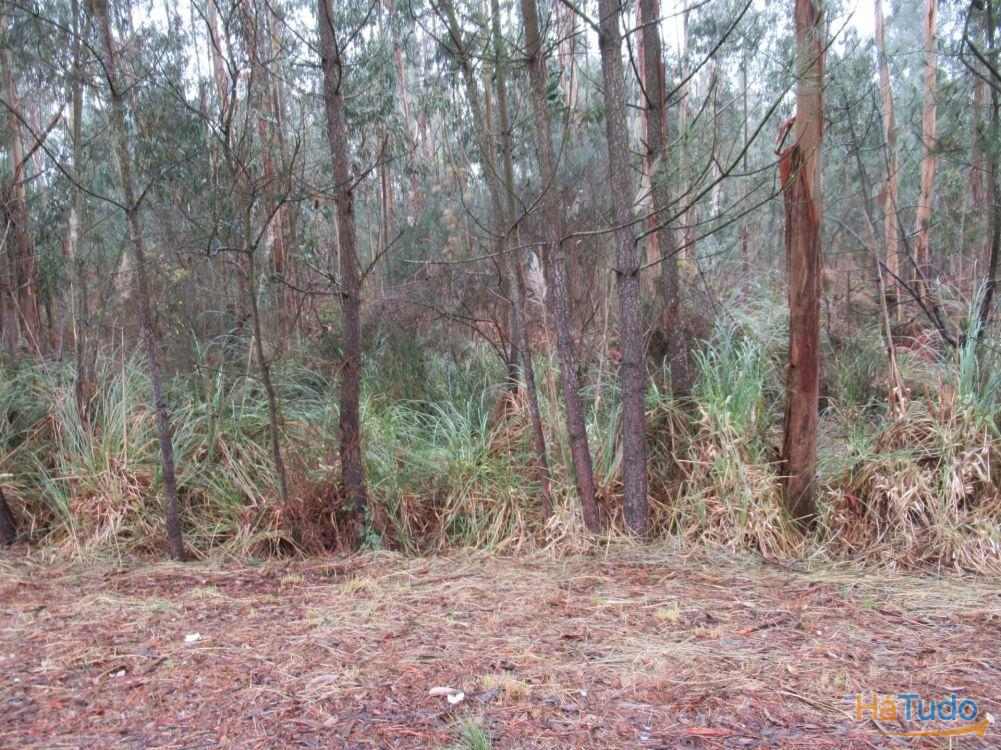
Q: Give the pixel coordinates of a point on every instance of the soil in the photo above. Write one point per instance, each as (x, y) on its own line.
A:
(630, 648)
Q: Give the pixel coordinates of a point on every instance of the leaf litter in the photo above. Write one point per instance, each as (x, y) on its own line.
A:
(633, 648)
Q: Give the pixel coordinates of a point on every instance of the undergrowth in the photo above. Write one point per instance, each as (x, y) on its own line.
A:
(446, 468)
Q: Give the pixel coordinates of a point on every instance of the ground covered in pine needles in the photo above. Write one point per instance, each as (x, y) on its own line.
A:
(634, 648)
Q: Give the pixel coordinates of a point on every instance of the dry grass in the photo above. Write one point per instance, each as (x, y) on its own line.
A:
(635, 647)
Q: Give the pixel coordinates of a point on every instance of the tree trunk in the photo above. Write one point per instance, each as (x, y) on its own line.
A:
(634, 479)
(801, 179)
(922, 220)
(352, 469)
(137, 241)
(263, 364)
(24, 281)
(690, 215)
(745, 244)
(657, 154)
(554, 268)
(993, 190)
(512, 264)
(891, 220)
(8, 529)
(83, 387)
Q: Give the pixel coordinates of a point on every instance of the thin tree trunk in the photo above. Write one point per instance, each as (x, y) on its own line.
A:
(512, 263)
(554, 268)
(993, 189)
(264, 365)
(83, 387)
(352, 469)
(891, 219)
(657, 154)
(745, 245)
(634, 479)
(801, 180)
(137, 241)
(922, 221)
(689, 217)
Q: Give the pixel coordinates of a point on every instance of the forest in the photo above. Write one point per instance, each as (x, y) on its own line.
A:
(613, 318)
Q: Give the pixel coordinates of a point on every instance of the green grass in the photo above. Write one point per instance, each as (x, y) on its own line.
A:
(472, 736)
(444, 471)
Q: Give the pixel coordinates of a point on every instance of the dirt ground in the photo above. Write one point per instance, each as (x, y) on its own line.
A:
(633, 648)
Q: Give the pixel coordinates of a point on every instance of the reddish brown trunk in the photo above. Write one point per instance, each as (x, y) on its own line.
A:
(352, 469)
(801, 179)
(891, 220)
(657, 153)
(24, 280)
(922, 220)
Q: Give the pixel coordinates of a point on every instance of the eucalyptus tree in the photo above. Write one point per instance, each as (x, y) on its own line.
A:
(801, 164)
(20, 320)
(499, 176)
(654, 99)
(131, 207)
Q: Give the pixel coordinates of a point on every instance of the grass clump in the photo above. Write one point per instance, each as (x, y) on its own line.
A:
(730, 495)
(472, 735)
(449, 456)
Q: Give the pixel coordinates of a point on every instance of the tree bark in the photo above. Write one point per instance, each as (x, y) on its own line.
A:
(554, 269)
(8, 529)
(993, 189)
(24, 281)
(891, 219)
(634, 479)
(137, 241)
(689, 218)
(657, 153)
(83, 387)
(513, 266)
(922, 220)
(352, 469)
(263, 363)
(801, 179)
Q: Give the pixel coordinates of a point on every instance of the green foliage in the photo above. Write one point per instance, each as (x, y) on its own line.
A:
(472, 736)
(446, 469)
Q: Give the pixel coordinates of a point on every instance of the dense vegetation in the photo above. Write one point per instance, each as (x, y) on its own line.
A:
(422, 275)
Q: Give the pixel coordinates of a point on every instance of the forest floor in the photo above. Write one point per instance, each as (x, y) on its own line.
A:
(637, 648)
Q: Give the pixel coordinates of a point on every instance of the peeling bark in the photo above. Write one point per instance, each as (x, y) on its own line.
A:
(800, 166)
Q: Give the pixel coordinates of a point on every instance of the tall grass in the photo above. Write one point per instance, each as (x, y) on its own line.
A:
(446, 469)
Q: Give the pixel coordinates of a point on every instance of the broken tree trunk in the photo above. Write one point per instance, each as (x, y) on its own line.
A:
(513, 267)
(800, 166)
